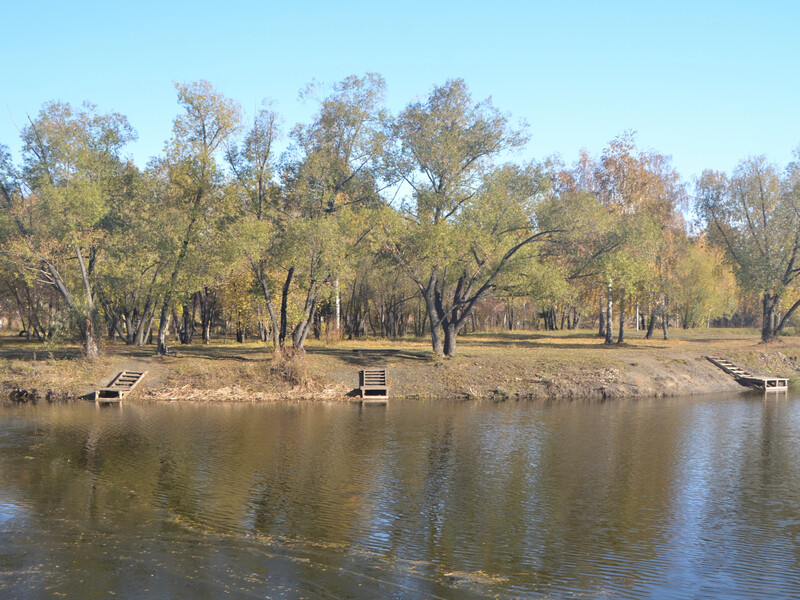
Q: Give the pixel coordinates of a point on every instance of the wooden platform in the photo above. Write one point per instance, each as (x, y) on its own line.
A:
(119, 387)
(373, 386)
(769, 384)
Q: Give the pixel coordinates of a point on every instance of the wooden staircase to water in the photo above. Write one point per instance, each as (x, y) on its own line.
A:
(769, 384)
(373, 386)
(119, 387)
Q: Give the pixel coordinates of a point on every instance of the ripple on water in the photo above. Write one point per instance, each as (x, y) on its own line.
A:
(8, 512)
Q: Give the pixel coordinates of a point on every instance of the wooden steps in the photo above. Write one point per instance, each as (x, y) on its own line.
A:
(373, 386)
(119, 387)
(769, 384)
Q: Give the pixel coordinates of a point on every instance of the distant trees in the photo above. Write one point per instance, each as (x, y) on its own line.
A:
(362, 223)
(634, 198)
(707, 287)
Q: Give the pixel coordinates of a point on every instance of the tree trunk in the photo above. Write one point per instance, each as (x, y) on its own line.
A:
(161, 346)
(621, 336)
(89, 345)
(275, 330)
(601, 332)
(609, 319)
(263, 332)
(338, 307)
(187, 330)
(436, 327)
(652, 324)
(769, 303)
(450, 335)
(451, 315)
(432, 297)
(317, 326)
(113, 327)
(664, 317)
(284, 303)
(207, 331)
(302, 329)
(145, 327)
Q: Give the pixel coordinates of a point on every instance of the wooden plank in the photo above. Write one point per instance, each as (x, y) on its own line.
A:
(748, 379)
(373, 386)
(119, 387)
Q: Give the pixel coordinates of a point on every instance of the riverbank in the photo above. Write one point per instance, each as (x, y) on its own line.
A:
(551, 365)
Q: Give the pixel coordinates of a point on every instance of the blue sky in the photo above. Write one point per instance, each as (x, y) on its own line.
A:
(706, 82)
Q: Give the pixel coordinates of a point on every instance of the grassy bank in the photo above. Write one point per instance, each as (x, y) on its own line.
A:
(554, 365)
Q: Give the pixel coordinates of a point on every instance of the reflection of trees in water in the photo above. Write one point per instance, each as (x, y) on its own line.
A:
(738, 487)
(535, 495)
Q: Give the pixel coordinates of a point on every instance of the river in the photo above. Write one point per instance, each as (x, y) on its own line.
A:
(650, 498)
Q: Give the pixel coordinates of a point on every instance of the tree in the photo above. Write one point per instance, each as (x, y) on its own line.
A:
(755, 217)
(465, 222)
(260, 217)
(60, 202)
(330, 185)
(641, 192)
(191, 198)
(129, 282)
(707, 287)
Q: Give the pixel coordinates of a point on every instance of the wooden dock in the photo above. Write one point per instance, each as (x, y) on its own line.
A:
(119, 387)
(768, 384)
(373, 386)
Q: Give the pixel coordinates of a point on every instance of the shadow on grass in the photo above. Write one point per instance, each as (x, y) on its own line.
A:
(596, 344)
(371, 356)
(39, 353)
(241, 354)
(528, 335)
(713, 340)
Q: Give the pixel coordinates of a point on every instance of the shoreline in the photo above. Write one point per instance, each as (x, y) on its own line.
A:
(558, 366)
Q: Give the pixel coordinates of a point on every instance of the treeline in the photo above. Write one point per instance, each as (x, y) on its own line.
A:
(370, 223)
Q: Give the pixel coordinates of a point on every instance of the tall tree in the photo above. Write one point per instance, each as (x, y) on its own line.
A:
(642, 192)
(128, 284)
(465, 221)
(755, 217)
(260, 218)
(60, 202)
(330, 183)
(192, 197)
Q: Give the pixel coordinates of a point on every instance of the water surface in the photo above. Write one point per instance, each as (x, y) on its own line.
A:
(677, 498)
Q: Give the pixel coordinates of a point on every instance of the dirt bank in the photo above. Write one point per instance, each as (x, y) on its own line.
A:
(559, 366)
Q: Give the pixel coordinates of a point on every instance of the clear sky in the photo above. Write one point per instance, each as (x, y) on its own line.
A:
(708, 82)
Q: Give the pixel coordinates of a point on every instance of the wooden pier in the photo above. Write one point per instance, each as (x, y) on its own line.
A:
(119, 387)
(373, 386)
(768, 384)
